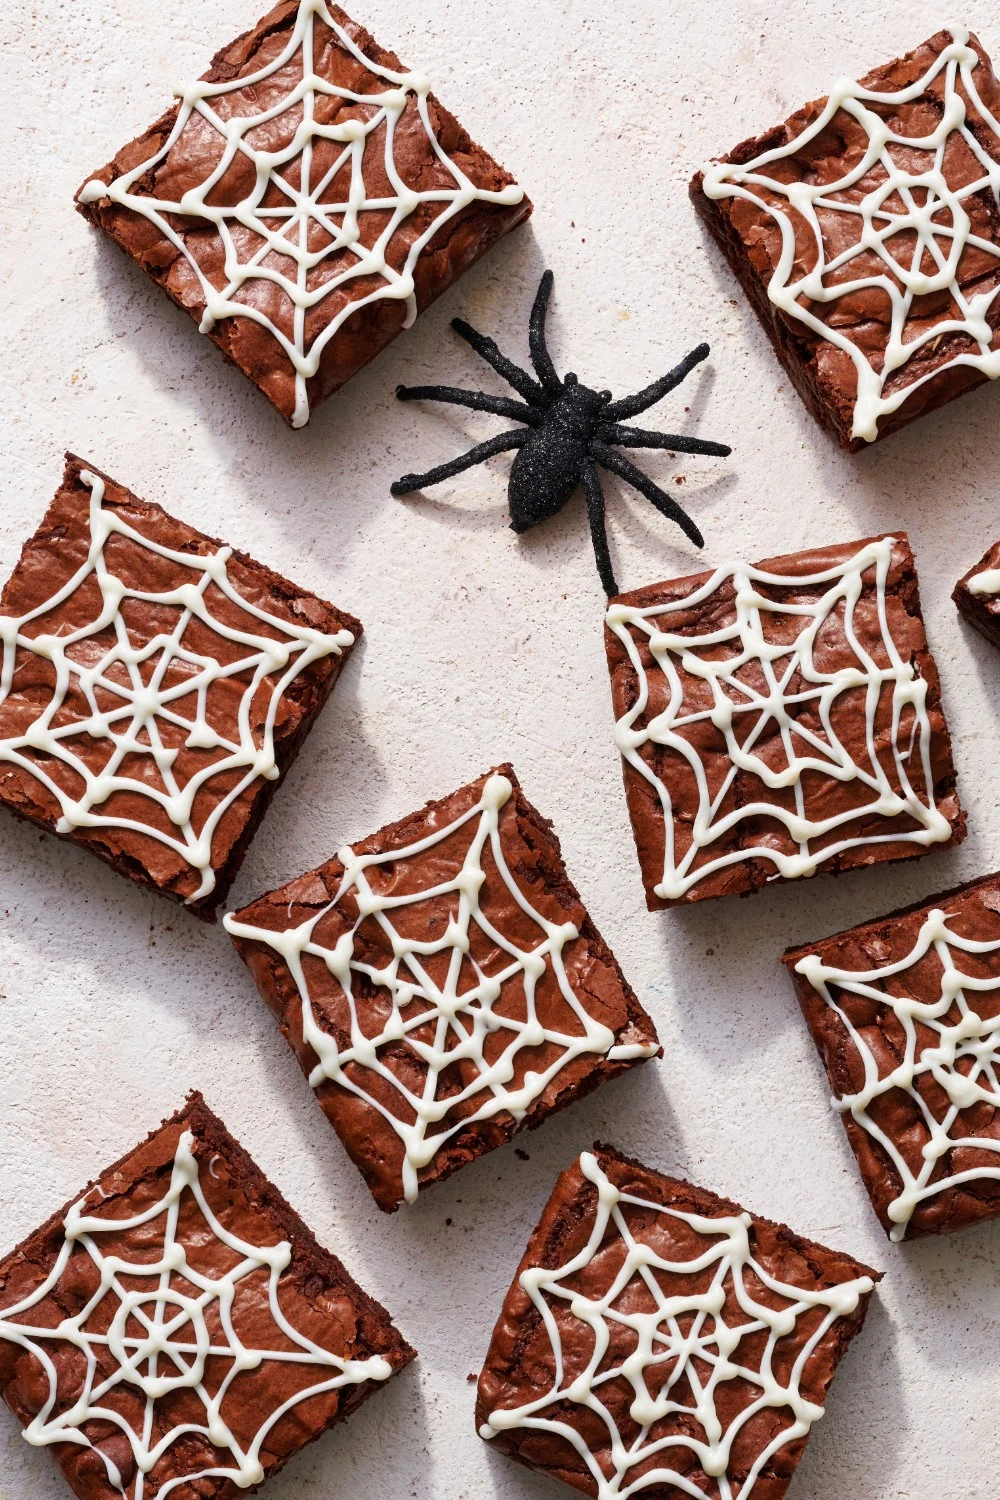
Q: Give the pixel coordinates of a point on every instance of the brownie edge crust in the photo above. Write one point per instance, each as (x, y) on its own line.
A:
(977, 595)
(714, 1364)
(207, 1386)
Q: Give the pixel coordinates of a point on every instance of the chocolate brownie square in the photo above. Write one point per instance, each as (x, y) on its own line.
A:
(905, 1012)
(177, 1329)
(778, 720)
(659, 1341)
(443, 986)
(304, 201)
(155, 686)
(865, 232)
(977, 595)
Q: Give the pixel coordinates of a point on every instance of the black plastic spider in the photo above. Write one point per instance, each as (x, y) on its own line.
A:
(571, 432)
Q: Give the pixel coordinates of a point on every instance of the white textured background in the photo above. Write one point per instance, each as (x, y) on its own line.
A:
(481, 647)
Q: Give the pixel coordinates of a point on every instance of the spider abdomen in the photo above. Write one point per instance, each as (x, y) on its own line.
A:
(545, 473)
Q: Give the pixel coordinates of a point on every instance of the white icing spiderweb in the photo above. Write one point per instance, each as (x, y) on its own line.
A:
(446, 1009)
(685, 1349)
(946, 1043)
(913, 200)
(157, 1327)
(291, 223)
(774, 707)
(144, 697)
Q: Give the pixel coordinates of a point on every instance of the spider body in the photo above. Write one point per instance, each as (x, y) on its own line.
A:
(550, 462)
(569, 433)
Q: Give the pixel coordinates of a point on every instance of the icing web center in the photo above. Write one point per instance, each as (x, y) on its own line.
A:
(170, 1328)
(472, 1028)
(923, 206)
(761, 688)
(684, 1354)
(304, 192)
(917, 225)
(160, 1343)
(122, 710)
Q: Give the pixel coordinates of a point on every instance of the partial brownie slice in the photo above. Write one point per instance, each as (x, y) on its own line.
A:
(977, 595)
(177, 1328)
(778, 720)
(155, 687)
(866, 235)
(905, 1012)
(443, 986)
(658, 1340)
(304, 201)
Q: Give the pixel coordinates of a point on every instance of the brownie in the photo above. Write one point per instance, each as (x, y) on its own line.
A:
(658, 1340)
(304, 201)
(779, 720)
(977, 595)
(176, 1328)
(905, 1012)
(443, 986)
(820, 217)
(155, 687)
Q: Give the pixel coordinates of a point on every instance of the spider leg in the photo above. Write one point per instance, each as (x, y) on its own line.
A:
(487, 349)
(636, 437)
(540, 356)
(482, 451)
(598, 528)
(500, 406)
(665, 504)
(643, 400)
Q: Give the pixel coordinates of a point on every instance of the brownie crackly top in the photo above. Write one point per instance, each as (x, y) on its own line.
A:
(177, 1330)
(303, 201)
(155, 685)
(443, 985)
(780, 719)
(866, 231)
(905, 1012)
(660, 1341)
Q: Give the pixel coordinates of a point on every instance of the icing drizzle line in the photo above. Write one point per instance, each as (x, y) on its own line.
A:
(921, 206)
(276, 224)
(463, 1019)
(687, 1334)
(160, 1339)
(969, 1039)
(132, 726)
(986, 582)
(733, 699)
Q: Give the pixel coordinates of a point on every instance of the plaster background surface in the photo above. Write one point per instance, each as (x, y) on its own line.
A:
(481, 647)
